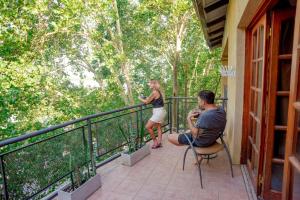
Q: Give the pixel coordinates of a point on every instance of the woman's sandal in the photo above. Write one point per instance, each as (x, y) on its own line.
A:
(156, 146)
(159, 145)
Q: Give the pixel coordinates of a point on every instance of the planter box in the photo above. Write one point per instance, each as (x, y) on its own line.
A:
(84, 191)
(131, 159)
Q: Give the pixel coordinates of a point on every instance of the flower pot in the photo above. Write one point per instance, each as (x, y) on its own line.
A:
(82, 192)
(132, 158)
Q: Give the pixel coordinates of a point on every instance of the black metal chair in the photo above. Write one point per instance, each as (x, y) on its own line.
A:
(206, 153)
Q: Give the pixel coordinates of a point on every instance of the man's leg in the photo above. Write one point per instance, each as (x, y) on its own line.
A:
(173, 138)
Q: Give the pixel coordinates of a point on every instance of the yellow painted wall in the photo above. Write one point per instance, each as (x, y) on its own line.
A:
(238, 12)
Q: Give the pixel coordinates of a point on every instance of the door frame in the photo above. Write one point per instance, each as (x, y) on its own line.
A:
(247, 95)
(290, 160)
(262, 10)
(272, 76)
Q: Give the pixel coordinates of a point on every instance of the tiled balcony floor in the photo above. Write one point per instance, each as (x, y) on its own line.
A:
(159, 176)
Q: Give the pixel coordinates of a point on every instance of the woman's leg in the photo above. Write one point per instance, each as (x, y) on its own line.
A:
(149, 127)
(159, 133)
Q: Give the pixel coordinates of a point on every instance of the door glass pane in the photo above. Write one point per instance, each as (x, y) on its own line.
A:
(261, 42)
(257, 137)
(253, 75)
(253, 129)
(252, 98)
(259, 73)
(286, 36)
(251, 126)
(281, 110)
(255, 104)
(276, 180)
(295, 184)
(259, 104)
(249, 150)
(254, 43)
(297, 150)
(255, 166)
(284, 75)
(279, 144)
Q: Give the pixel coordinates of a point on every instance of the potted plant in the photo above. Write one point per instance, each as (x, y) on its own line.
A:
(83, 183)
(137, 148)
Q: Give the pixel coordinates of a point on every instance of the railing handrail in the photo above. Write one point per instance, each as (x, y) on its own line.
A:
(90, 150)
(54, 127)
(182, 97)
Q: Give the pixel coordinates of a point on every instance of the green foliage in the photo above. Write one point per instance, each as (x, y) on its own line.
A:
(133, 137)
(50, 49)
(40, 40)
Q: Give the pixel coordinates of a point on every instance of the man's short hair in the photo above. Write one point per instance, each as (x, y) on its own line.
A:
(207, 96)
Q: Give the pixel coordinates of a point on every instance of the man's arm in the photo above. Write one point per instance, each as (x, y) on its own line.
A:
(194, 130)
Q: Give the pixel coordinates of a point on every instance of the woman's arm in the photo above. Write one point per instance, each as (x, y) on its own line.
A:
(148, 99)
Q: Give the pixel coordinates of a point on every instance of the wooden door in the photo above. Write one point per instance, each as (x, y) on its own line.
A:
(291, 185)
(255, 115)
(279, 74)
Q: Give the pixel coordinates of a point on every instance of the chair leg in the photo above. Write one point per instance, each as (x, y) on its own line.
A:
(196, 157)
(229, 158)
(208, 159)
(200, 174)
(183, 163)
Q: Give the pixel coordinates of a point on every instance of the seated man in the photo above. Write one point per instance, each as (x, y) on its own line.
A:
(210, 123)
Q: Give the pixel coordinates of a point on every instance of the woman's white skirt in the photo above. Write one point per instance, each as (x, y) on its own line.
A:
(158, 115)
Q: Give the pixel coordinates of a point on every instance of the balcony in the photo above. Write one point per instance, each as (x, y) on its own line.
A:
(160, 176)
(35, 165)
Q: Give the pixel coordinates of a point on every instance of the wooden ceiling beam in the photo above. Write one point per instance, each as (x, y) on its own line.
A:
(215, 5)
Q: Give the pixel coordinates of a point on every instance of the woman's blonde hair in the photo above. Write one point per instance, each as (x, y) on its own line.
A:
(155, 83)
(156, 86)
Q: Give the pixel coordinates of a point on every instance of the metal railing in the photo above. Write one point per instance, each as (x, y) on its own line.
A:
(182, 105)
(36, 164)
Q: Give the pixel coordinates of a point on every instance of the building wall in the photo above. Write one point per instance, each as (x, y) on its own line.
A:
(238, 12)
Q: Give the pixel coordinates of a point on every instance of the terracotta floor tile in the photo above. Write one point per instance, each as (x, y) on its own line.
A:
(178, 192)
(159, 176)
(128, 187)
(151, 191)
(117, 196)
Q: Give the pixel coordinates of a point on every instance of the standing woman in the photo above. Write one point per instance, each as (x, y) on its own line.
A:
(159, 113)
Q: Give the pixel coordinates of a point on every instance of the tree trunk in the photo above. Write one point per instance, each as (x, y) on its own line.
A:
(180, 32)
(193, 75)
(175, 91)
(124, 61)
(186, 68)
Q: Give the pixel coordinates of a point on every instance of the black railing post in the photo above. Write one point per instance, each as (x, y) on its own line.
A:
(184, 114)
(84, 142)
(171, 115)
(72, 181)
(90, 140)
(177, 115)
(141, 121)
(4, 178)
(169, 112)
(137, 139)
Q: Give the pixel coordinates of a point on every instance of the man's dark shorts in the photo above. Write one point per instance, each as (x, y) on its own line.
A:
(183, 140)
(199, 142)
